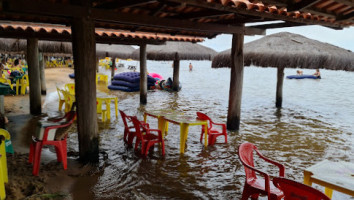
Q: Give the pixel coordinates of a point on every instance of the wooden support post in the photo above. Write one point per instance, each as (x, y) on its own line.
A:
(279, 95)
(113, 67)
(42, 74)
(236, 81)
(97, 64)
(84, 51)
(143, 75)
(175, 83)
(34, 76)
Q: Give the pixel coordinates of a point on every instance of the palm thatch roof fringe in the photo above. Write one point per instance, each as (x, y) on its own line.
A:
(290, 51)
(177, 51)
(54, 48)
(114, 51)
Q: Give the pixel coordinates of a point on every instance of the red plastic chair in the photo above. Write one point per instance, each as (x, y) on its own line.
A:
(296, 191)
(60, 145)
(254, 186)
(146, 138)
(213, 132)
(129, 131)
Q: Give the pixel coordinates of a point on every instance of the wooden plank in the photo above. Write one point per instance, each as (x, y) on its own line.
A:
(143, 75)
(175, 83)
(345, 17)
(60, 10)
(277, 25)
(301, 5)
(84, 51)
(236, 81)
(218, 6)
(34, 77)
(279, 92)
(123, 4)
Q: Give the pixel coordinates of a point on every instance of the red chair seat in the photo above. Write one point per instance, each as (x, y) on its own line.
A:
(294, 190)
(60, 145)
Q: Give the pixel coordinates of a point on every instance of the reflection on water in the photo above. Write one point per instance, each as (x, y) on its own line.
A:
(315, 123)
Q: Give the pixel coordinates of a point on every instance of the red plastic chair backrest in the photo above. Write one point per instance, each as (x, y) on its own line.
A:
(124, 117)
(245, 153)
(297, 191)
(203, 116)
(139, 128)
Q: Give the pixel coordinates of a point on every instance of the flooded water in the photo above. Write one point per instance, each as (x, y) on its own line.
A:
(315, 123)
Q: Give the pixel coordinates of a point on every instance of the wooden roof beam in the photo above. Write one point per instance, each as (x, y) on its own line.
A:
(301, 5)
(345, 17)
(217, 6)
(277, 25)
(346, 2)
(65, 11)
(124, 4)
(202, 14)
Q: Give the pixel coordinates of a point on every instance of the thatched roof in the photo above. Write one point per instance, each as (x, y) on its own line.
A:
(114, 51)
(291, 51)
(19, 46)
(10, 46)
(177, 51)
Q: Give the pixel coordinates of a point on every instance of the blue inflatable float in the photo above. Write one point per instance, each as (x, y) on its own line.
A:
(303, 77)
(129, 82)
(72, 75)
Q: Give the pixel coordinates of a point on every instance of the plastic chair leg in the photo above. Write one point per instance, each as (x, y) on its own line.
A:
(3, 162)
(130, 140)
(37, 158)
(64, 154)
(163, 147)
(58, 151)
(2, 185)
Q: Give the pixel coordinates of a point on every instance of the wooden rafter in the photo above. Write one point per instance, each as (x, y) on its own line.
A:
(301, 5)
(60, 10)
(345, 17)
(201, 14)
(277, 25)
(217, 6)
(123, 4)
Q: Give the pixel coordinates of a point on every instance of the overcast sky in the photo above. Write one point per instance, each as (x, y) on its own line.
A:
(342, 38)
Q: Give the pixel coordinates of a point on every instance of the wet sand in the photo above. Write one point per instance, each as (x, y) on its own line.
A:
(53, 181)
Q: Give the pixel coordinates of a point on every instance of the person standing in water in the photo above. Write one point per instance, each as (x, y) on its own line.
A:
(317, 73)
(190, 67)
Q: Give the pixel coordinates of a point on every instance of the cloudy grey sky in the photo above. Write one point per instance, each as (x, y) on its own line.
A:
(342, 38)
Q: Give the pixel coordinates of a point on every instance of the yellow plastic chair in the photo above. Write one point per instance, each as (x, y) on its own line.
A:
(61, 99)
(102, 78)
(70, 87)
(24, 82)
(69, 100)
(8, 81)
(6, 136)
(3, 163)
(100, 110)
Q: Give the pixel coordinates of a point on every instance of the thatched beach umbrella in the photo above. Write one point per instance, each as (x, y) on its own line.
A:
(176, 51)
(114, 51)
(288, 50)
